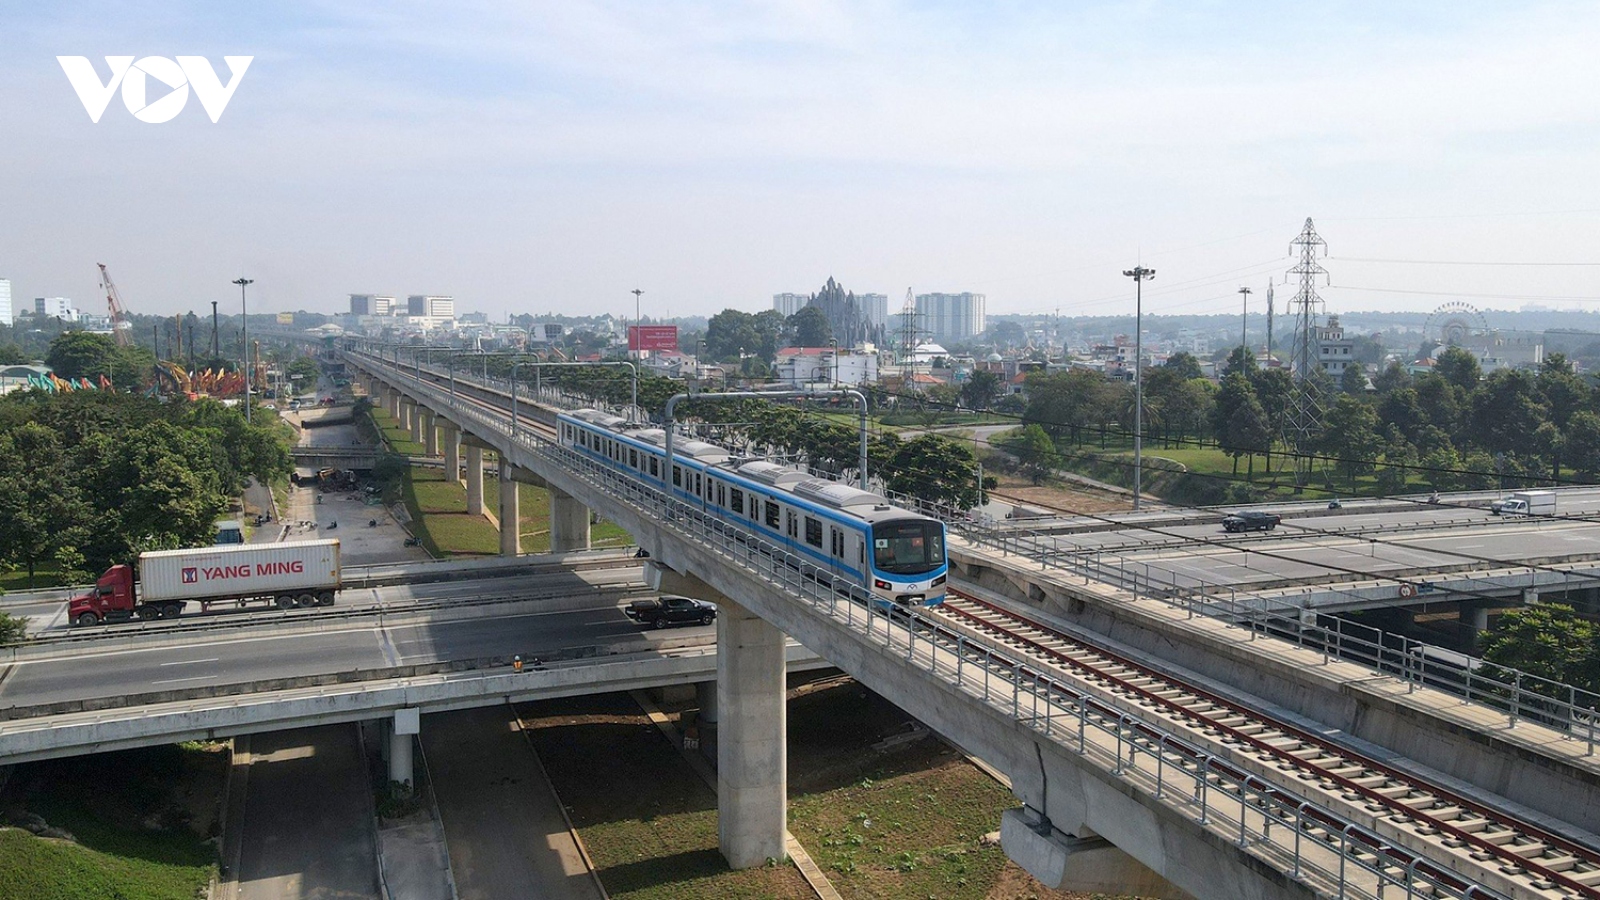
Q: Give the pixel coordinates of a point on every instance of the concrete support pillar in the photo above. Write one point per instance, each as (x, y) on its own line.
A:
(752, 757)
(416, 422)
(430, 433)
(1475, 616)
(569, 523)
(406, 727)
(394, 403)
(474, 481)
(705, 695)
(452, 451)
(408, 414)
(510, 512)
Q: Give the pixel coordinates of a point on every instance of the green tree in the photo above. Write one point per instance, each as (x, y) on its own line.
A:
(980, 390)
(13, 629)
(1034, 450)
(41, 510)
(1248, 434)
(1507, 410)
(1353, 380)
(80, 354)
(1550, 641)
(1351, 437)
(1184, 365)
(1392, 377)
(1236, 391)
(1583, 444)
(1459, 367)
(1241, 361)
(13, 355)
(810, 327)
(935, 469)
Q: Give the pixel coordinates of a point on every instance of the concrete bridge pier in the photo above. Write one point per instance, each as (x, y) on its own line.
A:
(569, 522)
(1475, 616)
(475, 480)
(510, 512)
(430, 432)
(408, 416)
(403, 731)
(392, 400)
(415, 423)
(452, 450)
(750, 706)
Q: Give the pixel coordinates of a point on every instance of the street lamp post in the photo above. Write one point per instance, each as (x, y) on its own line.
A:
(638, 323)
(1244, 324)
(833, 347)
(1140, 275)
(244, 312)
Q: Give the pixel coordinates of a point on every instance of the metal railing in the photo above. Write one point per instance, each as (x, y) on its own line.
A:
(1312, 843)
(1520, 695)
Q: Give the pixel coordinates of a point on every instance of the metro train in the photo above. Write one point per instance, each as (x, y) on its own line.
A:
(856, 536)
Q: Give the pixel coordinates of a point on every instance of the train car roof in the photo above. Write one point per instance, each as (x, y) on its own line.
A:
(839, 496)
(771, 473)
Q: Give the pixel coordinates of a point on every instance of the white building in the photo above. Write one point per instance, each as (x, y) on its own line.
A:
(1334, 351)
(434, 307)
(7, 314)
(789, 304)
(371, 305)
(51, 307)
(952, 317)
(799, 366)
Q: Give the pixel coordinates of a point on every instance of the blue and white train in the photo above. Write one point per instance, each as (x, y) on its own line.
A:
(855, 535)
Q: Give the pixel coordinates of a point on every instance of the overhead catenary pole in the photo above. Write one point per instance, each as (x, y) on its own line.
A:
(638, 323)
(1140, 275)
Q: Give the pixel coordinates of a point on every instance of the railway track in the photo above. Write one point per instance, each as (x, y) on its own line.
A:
(1482, 844)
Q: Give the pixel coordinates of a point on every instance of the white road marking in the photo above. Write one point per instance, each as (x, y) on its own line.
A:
(189, 662)
(191, 678)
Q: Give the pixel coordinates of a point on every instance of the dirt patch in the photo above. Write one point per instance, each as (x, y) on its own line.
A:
(1067, 498)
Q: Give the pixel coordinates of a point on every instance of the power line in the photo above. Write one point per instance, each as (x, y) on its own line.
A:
(1351, 287)
(1458, 262)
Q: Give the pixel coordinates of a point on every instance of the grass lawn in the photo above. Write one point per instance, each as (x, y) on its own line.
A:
(438, 510)
(906, 823)
(398, 439)
(650, 824)
(141, 819)
(43, 577)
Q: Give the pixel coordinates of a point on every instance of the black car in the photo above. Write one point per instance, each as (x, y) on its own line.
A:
(671, 611)
(1251, 521)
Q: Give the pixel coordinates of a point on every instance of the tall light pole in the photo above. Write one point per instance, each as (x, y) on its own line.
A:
(638, 322)
(1140, 275)
(1244, 324)
(244, 312)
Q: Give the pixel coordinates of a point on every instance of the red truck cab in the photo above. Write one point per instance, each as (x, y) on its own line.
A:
(112, 598)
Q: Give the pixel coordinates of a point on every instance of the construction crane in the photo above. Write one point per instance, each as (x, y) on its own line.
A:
(121, 328)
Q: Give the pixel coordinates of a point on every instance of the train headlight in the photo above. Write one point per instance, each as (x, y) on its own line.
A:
(938, 581)
(880, 584)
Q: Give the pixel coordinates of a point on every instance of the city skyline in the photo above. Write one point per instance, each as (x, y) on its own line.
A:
(717, 155)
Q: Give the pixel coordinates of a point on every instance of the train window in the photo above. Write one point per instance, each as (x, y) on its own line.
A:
(772, 514)
(791, 524)
(633, 457)
(722, 494)
(655, 467)
(813, 532)
(738, 500)
(677, 476)
(836, 542)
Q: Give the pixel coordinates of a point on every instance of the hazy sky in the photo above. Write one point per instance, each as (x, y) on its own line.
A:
(527, 157)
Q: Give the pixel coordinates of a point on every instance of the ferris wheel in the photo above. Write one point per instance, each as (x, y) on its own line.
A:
(1454, 322)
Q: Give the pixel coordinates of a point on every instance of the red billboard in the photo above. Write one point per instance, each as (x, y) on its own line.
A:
(652, 337)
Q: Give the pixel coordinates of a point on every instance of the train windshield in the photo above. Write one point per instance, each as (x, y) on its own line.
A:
(908, 547)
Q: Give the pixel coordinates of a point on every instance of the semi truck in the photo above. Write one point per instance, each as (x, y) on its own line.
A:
(285, 575)
(1526, 503)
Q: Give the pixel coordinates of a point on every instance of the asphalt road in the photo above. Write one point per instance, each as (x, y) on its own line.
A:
(308, 829)
(502, 819)
(259, 653)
